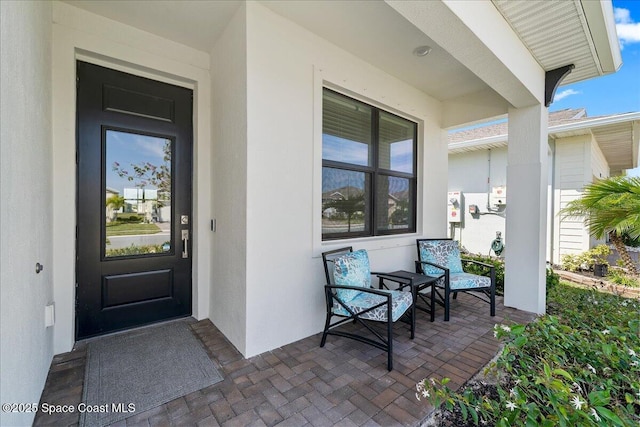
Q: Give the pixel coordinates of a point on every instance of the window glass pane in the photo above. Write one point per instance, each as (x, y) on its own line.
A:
(346, 130)
(137, 194)
(345, 201)
(395, 151)
(393, 203)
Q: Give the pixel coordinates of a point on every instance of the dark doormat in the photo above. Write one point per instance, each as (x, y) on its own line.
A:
(135, 371)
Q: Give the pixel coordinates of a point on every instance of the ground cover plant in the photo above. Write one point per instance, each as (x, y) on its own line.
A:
(579, 365)
(619, 278)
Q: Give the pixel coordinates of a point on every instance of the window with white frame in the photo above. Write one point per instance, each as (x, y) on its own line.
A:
(368, 170)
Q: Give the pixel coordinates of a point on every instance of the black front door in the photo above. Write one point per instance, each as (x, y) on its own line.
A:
(134, 201)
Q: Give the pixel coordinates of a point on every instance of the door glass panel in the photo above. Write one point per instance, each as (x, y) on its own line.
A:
(137, 194)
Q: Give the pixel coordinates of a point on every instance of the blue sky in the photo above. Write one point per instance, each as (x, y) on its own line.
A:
(128, 149)
(615, 93)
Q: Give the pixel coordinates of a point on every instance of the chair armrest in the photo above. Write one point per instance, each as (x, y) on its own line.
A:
(482, 264)
(492, 270)
(420, 267)
(359, 289)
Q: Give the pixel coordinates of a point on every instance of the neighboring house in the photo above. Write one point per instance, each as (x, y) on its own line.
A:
(273, 84)
(582, 149)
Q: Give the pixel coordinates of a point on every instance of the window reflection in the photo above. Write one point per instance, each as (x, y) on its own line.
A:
(137, 194)
(344, 201)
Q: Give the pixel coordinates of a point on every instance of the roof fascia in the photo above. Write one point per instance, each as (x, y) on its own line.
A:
(586, 125)
(595, 122)
(479, 144)
(602, 28)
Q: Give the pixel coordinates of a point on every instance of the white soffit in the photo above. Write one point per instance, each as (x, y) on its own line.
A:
(558, 33)
(618, 144)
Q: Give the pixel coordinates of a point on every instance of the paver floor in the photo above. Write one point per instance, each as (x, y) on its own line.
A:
(346, 383)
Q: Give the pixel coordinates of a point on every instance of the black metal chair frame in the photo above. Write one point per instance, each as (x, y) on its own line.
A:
(381, 342)
(443, 291)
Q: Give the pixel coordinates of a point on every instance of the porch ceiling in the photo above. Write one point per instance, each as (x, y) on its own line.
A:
(555, 33)
(196, 24)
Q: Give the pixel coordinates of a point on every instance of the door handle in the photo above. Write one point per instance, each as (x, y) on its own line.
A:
(185, 243)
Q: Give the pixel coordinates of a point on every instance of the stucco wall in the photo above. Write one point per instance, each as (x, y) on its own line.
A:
(229, 167)
(474, 173)
(25, 210)
(287, 67)
(577, 161)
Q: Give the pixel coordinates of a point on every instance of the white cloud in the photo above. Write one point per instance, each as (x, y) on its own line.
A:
(565, 93)
(628, 30)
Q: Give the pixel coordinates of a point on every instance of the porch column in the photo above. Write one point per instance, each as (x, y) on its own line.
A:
(526, 222)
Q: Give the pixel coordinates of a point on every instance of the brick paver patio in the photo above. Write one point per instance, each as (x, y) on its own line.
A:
(345, 383)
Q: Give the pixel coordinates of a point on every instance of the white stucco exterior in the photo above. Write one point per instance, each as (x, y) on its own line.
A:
(25, 207)
(257, 170)
(278, 247)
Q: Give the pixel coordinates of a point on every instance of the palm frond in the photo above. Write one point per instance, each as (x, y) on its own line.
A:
(611, 204)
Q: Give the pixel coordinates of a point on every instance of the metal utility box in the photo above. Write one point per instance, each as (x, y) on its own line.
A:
(454, 206)
(498, 196)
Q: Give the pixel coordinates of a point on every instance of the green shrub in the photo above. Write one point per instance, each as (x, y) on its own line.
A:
(598, 255)
(129, 217)
(579, 368)
(620, 278)
(553, 279)
(571, 262)
(498, 263)
(135, 250)
(586, 260)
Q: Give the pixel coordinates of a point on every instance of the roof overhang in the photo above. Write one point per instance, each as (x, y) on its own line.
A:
(487, 56)
(618, 137)
(559, 33)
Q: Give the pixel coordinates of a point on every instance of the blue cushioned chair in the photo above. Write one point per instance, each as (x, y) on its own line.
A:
(349, 296)
(438, 256)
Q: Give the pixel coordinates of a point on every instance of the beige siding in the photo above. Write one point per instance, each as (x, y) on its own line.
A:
(599, 165)
(572, 172)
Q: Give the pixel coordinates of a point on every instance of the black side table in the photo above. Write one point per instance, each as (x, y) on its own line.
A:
(418, 282)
